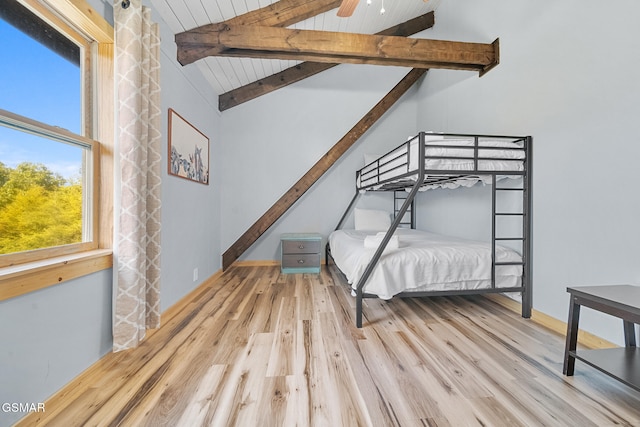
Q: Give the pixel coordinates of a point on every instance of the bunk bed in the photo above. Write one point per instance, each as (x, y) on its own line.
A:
(386, 257)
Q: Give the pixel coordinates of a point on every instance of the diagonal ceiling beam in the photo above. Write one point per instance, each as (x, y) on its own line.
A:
(257, 41)
(299, 188)
(284, 13)
(270, 83)
(307, 69)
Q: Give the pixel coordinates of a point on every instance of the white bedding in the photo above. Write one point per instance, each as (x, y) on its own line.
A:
(423, 262)
(499, 155)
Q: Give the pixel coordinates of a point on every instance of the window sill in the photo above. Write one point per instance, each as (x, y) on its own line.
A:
(24, 278)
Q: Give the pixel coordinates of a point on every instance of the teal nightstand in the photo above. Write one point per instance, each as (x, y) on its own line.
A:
(300, 252)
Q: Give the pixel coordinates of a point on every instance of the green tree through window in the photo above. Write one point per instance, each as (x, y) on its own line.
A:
(38, 208)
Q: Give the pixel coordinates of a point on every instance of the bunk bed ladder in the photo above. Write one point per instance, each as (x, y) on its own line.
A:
(499, 212)
(409, 218)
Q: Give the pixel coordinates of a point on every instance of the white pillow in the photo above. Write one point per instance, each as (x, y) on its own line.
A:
(372, 219)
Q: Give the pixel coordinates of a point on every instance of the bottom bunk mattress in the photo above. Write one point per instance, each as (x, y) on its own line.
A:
(420, 261)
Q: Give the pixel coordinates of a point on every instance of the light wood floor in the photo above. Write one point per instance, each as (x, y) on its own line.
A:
(257, 348)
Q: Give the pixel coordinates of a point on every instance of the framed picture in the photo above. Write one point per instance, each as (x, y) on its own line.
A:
(188, 150)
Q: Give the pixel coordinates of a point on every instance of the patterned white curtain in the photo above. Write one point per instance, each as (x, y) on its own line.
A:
(137, 223)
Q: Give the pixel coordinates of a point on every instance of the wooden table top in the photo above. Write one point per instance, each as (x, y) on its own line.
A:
(622, 295)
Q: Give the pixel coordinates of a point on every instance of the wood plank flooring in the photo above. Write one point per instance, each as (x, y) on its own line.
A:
(257, 348)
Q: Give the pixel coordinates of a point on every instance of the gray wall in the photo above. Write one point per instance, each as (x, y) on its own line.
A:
(567, 77)
(271, 142)
(52, 335)
(191, 211)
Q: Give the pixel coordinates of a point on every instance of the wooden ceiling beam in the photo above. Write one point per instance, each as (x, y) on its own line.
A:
(307, 69)
(284, 13)
(270, 83)
(279, 14)
(256, 41)
(360, 59)
(299, 188)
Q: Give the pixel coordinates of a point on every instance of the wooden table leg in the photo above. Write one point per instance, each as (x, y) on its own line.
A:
(629, 334)
(572, 337)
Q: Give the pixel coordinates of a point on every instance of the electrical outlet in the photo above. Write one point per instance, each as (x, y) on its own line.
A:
(195, 274)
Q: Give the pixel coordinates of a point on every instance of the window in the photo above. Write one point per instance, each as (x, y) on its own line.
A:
(46, 188)
(57, 68)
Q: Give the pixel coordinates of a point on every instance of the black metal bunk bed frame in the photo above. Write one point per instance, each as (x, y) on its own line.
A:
(420, 176)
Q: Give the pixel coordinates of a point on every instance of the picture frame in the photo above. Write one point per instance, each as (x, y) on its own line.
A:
(188, 150)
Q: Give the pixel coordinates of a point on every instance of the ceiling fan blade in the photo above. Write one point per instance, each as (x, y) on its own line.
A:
(347, 7)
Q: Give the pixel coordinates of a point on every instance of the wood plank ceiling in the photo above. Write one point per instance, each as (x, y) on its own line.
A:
(243, 63)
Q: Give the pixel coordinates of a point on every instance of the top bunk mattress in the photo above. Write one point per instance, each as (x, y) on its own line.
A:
(449, 161)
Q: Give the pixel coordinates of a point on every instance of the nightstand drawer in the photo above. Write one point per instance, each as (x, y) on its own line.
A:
(301, 252)
(300, 246)
(301, 260)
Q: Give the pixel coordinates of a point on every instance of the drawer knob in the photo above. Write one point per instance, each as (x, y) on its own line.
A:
(300, 261)
(300, 246)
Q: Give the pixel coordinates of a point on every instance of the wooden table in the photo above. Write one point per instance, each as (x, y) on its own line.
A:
(622, 301)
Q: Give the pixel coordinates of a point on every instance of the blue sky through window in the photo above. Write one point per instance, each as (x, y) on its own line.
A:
(38, 83)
